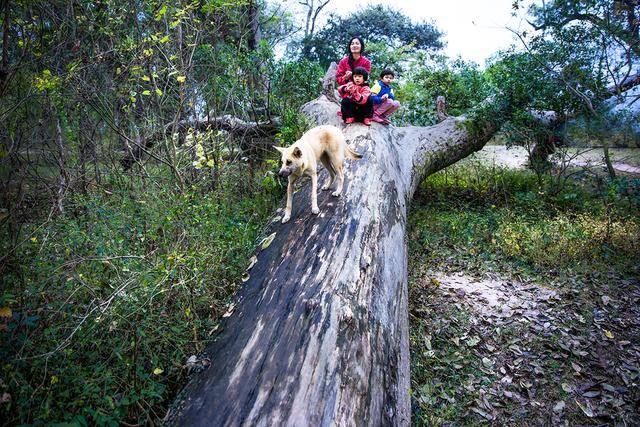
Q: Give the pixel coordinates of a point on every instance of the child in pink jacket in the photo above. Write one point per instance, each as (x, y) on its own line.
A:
(356, 104)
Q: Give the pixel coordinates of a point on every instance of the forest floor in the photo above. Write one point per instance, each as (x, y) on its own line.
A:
(524, 306)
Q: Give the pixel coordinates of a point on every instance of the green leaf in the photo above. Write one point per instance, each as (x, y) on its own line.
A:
(161, 12)
(267, 241)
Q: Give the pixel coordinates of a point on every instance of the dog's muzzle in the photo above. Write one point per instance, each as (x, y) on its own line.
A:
(284, 173)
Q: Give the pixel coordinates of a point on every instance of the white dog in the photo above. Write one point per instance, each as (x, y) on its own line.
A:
(324, 143)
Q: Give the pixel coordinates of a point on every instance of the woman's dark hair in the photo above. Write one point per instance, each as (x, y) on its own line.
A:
(387, 72)
(349, 49)
(361, 71)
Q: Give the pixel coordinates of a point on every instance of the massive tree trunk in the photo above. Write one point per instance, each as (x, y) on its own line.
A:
(319, 332)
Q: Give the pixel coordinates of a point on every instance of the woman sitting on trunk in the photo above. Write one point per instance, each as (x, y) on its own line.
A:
(354, 59)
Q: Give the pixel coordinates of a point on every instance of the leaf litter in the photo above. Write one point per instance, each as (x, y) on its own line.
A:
(514, 352)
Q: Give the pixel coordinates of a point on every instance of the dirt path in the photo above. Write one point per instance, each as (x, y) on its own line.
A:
(626, 160)
(514, 353)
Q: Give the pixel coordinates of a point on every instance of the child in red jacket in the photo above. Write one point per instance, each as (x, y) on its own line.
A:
(357, 104)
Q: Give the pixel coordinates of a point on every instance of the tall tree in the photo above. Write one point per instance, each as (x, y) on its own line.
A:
(312, 9)
(375, 24)
(615, 25)
(579, 55)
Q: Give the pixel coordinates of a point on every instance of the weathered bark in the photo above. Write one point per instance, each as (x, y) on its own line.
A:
(329, 88)
(4, 66)
(231, 124)
(319, 335)
(254, 21)
(441, 108)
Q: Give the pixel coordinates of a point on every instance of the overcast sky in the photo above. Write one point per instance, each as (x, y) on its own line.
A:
(474, 29)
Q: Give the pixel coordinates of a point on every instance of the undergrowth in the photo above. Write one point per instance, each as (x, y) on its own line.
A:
(103, 305)
(478, 216)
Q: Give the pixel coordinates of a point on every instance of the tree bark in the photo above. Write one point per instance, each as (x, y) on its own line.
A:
(4, 66)
(319, 333)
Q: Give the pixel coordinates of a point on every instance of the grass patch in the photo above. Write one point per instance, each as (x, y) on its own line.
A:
(480, 216)
(108, 301)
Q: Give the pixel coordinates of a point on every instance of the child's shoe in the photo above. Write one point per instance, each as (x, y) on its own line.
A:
(367, 121)
(349, 120)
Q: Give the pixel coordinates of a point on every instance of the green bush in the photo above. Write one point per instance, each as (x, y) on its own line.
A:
(109, 300)
(480, 213)
(460, 82)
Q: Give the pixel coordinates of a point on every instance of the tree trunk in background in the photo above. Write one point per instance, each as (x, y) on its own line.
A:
(254, 22)
(257, 78)
(313, 11)
(4, 67)
(319, 333)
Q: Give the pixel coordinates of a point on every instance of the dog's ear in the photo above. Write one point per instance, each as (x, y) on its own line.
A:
(297, 153)
(280, 149)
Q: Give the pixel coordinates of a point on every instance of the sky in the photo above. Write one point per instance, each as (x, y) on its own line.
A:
(474, 29)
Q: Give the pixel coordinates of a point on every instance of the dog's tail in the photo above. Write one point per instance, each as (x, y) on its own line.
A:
(351, 154)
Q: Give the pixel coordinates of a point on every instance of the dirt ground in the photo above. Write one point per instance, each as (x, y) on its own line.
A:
(626, 160)
(507, 352)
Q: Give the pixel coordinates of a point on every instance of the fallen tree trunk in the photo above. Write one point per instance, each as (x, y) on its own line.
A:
(319, 334)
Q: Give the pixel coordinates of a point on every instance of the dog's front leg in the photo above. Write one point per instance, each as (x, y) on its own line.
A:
(314, 194)
(287, 209)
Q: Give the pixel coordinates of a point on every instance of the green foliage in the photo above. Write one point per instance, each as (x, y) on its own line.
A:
(568, 68)
(385, 56)
(293, 126)
(295, 83)
(614, 19)
(460, 82)
(546, 78)
(376, 24)
(483, 216)
(111, 299)
(110, 295)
